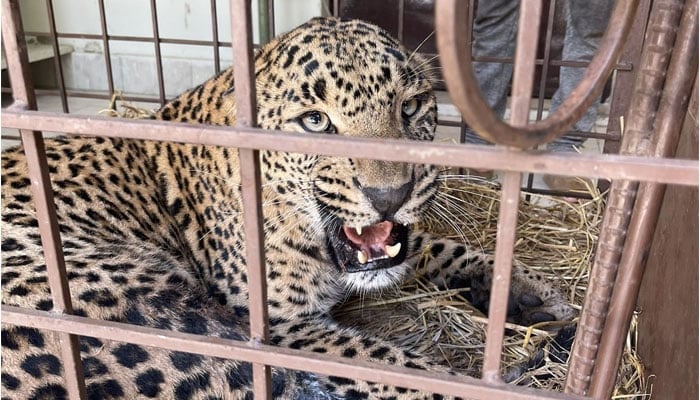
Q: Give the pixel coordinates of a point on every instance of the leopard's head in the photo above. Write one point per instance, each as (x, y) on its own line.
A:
(350, 78)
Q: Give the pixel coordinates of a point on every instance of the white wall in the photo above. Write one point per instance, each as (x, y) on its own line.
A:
(133, 63)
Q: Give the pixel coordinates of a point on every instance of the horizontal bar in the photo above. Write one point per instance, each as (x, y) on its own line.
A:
(621, 66)
(123, 38)
(643, 169)
(273, 356)
(91, 95)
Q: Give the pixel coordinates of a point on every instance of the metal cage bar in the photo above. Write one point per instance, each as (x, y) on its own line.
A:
(460, 79)
(33, 143)
(639, 127)
(681, 74)
(57, 55)
(215, 36)
(249, 139)
(249, 159)
(156, 45)
(105, 46)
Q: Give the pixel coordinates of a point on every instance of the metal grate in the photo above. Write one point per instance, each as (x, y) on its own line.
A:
(623, 168)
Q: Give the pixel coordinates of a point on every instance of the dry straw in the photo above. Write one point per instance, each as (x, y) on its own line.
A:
(555, 237)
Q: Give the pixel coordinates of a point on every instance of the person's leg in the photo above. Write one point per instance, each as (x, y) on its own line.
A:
(586, 21)
(495, 28)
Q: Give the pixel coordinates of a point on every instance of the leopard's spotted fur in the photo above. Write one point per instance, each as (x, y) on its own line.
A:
(152, 231)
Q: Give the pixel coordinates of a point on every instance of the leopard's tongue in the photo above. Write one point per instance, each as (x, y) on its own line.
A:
(372, 242)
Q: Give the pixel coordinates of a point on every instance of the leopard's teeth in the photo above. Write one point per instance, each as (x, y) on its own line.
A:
(393, 251)
(361, 257)
(358, 229)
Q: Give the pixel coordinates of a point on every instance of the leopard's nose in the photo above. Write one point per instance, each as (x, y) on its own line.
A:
(387, 201)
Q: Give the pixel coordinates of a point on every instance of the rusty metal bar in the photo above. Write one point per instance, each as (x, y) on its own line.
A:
(276, 356)
(681, 74)
(524, 69)
(609, 166)
(505, 242)
(32, 141)
(105, 45)
(639, 128)
(624, 78)
(156, 45)
(459, 76)
(57, 55)
(249, 159)
(525, 51)
(215, 37)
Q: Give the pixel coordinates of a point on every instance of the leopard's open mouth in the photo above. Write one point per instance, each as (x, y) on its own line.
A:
(377, 246)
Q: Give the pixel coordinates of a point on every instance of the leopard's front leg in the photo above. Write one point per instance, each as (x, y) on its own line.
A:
(454, 265)
(322, 335)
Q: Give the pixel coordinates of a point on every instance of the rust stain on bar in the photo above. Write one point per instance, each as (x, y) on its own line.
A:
(276, 356)
(246, 116)
(609, 166)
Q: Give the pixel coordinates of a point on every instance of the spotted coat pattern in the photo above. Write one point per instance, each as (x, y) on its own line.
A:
(152, 231)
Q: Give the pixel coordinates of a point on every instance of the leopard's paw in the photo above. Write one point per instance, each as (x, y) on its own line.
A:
(531, 299)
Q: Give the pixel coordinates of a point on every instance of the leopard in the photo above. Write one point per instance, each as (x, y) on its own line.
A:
(152, 231)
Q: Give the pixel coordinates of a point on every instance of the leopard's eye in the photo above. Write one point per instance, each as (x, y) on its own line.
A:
(316, 121)
(410, 107)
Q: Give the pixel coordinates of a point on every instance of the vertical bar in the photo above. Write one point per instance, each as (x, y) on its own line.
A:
(624, 80)
(105, 45)
(159, 58)
(57, 56)
(271, 18)
(241, 38)
(263, 22)
(505, 241)
(402, 9)
(546, 59)
(470, 24)
(525, 54)
(543, 77)
(681, 73)
(650, 76)
(215, 37)
(524, 69)
(336, 8)
(33, 143)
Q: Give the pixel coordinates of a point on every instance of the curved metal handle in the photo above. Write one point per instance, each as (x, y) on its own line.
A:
(455, 57)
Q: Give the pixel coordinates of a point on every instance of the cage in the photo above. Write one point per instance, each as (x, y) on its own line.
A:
(601, 326)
